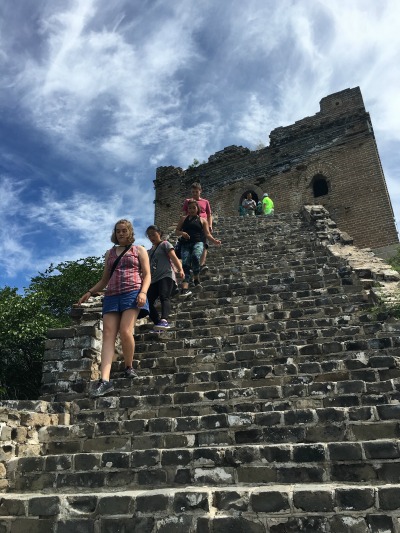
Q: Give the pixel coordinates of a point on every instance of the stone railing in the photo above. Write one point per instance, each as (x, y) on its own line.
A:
(375, 275)
(72, 355)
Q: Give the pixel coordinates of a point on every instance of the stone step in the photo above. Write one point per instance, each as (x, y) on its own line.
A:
(107, 427)
(202, 342)
(217, 359)
(261, 398)
(341, 308)
(252, 463)
(266, 336)
(295, 507)
(266, 308)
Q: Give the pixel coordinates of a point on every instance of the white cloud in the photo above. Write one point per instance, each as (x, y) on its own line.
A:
(91, 72)
(116, 89)
(71, 228)
(14, 253)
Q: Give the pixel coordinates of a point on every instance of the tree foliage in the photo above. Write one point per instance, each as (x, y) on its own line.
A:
(63, 284)
(25, 319)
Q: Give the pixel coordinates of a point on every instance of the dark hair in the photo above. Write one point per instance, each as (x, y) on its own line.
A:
(154, 228)
(196, 185)
(128, 224)
(196, 204)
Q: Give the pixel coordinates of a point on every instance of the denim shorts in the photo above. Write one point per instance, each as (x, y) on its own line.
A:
(119, 303)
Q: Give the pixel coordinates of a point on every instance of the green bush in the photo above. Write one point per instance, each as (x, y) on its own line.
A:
(25, 319)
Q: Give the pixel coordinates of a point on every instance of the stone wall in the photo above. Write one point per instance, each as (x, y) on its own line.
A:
(336, 145)
(72, 355)
(21, 423)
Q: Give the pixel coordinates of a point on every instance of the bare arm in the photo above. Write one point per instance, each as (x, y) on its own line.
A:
(207, 232)
(100, 285)
(177, 264)
(209, 216)
(210, 222)
(146, 276)
(179, 231)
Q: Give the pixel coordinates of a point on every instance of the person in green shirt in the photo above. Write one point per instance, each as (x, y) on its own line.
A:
(268, 205)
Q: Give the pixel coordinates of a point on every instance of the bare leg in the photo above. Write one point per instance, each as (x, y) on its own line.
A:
(203, 257)
(111, 323)
(128, 321)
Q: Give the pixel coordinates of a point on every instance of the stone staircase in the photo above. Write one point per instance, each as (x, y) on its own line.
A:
(272, 406)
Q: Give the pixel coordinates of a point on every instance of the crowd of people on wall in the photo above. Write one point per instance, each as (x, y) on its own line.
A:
(134, 279)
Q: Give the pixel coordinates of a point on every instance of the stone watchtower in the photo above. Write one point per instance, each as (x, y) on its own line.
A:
(330, 158)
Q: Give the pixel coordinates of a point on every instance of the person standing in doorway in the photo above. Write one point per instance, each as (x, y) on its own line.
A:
(205, 212)
(249, 205)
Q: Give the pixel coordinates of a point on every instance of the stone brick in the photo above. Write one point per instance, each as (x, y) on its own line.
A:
(345, 451)
(355, 499)
(175, 457)
(126, 525)
(308, 453)
(152, 503)
(315, 501)
(83, 504)
(301, 524)
(381, 450)
(11, 507)
(57, 463)
(77, 526)
(152, 478)
(120, 505)
(237, 524)
(300, 474)
(115, 460)
(189, 501)
(33, 525)
(44, 506)
(267, 501)
(380, 524)
(353, 472)
(387, 412)
(231, 500)
(87, 461)
(348, 524)
(389, 498)
(274, 454)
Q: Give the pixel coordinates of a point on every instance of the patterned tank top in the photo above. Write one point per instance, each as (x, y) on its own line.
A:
(127, 276)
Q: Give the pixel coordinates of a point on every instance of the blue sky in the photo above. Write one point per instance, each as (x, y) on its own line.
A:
(95, 95)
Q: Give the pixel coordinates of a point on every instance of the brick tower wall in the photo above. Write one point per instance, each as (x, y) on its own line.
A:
(335, 148)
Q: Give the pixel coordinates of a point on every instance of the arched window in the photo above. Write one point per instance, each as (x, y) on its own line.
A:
(320, 186)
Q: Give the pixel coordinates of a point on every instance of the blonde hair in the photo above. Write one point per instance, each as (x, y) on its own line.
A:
(131, 233)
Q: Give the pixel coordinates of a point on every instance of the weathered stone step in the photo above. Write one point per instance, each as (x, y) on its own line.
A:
(269, 308)
(371, 368)
(375, 462)
(230, 400)
(295, 507)
(245, 340)
(354, 382)
(279, 264)
(214, 359)
(107, 427)
(306, 303)
(201, 343)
